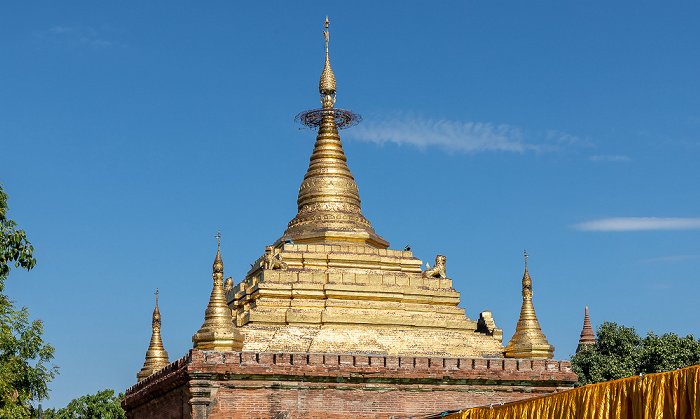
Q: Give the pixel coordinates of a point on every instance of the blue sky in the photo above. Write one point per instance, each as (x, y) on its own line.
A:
(131, 133)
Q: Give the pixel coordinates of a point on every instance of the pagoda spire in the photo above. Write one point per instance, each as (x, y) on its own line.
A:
(329, 200)
(587, 336)
(326, 86)
(218, 333)
(528, 340)
(156, 355)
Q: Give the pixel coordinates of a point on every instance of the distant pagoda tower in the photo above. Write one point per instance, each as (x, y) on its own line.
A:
(528, 340)
(329, 200)
(156, 355)
(587, 335)
(218, 332)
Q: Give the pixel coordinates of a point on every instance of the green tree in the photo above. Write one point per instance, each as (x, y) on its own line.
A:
(620, 352)
(24, 376)
(103, 405)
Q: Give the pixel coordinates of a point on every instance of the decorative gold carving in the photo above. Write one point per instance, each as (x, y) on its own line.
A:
(271, 261)
(438, 271)
(228, 284)
(330, 207)
(156, 355)
(528, 340)
(218, 332)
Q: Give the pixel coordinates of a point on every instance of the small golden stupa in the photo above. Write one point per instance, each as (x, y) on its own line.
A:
(528, 340)
(330, 283)
(218, 332)
(156, 355)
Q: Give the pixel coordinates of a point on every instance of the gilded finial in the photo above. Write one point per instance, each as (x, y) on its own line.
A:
(156, 355)
(526, 256)
(218, 263)
(156, 313)
(326, 86)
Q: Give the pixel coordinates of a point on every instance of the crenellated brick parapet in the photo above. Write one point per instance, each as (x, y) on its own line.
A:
(312, 385)
(381, 368)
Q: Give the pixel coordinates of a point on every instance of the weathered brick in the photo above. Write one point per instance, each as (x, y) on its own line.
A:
(315, 359)
(232, 358)
(406, 361)
(538, 365)
(421, 362)
(314, 386)
(510, 364)
(481, 363)
(249, 358)
(300, 359)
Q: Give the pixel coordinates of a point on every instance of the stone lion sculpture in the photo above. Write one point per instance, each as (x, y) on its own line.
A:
(438, 271)
(272, 262)
(228, 284)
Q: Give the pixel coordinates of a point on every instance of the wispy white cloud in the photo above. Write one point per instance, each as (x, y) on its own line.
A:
(61, 29)
(566, 139)
(676, 258)
(638, 224)
(608, 157)
(75, 37)
(453, 136)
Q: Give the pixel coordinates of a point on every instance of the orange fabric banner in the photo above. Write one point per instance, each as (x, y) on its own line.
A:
(672, 394)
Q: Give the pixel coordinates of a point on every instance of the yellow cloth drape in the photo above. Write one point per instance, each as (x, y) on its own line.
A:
(672, 394)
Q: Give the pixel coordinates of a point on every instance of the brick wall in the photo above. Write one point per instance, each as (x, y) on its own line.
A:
(261, 385)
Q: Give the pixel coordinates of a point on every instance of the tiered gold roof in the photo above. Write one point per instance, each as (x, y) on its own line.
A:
(218, 332)
(156, 355)
(528, 341)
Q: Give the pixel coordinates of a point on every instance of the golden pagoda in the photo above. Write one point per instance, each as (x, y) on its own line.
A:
(528, 340)
(156, 355)
(218, 332)
(330, 283)
(329, 200)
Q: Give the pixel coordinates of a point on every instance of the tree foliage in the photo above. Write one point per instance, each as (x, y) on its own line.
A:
(23, 354)
(620, 352)
(103, 405)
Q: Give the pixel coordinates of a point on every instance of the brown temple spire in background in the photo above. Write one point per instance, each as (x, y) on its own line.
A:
(156, 355)
(329, 200)
(528, 341)
(218, 332)
(587, 335)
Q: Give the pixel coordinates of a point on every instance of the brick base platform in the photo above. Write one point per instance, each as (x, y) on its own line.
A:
(215, 385)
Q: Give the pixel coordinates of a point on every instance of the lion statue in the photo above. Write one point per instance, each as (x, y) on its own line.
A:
(272, 262)
(228, 284)
(438, 271)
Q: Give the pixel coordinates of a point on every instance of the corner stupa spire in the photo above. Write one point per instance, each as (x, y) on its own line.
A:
(218, 333)
(329, 200)
(587, 336)
(528, 340)
(156, 355)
